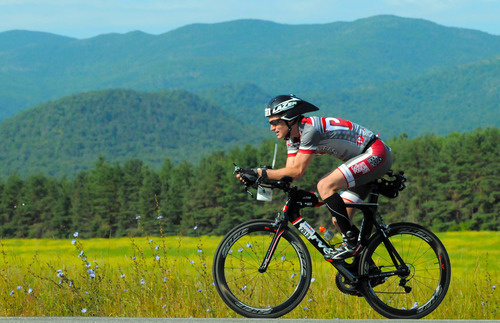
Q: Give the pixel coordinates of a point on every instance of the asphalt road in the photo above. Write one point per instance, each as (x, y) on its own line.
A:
(201, 320)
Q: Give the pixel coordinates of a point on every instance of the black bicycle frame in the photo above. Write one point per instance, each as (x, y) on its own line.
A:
(291, 213)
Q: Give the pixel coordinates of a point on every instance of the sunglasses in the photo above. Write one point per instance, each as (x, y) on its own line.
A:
(274, 122)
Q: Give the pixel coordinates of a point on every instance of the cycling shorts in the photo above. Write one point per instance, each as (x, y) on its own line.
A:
(359, 171)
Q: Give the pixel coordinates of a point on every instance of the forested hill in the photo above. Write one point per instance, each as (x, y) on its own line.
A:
(452, 185)
(67, 135)
(460, 98)
(278, 58)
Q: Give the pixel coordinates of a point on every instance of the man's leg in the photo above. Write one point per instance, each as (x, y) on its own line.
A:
(327, 188)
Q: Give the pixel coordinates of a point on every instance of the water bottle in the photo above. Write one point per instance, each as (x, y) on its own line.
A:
(328, 236)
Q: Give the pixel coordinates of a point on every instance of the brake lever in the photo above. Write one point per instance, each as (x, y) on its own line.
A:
(248, 191)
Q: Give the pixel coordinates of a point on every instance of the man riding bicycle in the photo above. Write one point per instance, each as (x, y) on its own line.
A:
(365, 156)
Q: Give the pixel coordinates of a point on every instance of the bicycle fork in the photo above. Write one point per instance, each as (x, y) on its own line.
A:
(271, 249)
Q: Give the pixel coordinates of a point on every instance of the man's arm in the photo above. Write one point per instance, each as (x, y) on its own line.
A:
(295, 167)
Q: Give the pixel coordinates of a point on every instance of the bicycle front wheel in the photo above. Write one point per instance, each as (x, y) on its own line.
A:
(423, 279)
(268, 294)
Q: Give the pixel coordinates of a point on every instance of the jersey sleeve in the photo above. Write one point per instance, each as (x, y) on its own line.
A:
(309, 139)
(292, 146)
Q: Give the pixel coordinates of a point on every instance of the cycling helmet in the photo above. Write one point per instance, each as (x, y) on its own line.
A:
(289, 107)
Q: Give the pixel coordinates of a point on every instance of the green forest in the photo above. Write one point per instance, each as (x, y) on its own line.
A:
(452, 185)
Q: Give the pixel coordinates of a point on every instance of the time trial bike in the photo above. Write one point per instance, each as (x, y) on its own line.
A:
(262, 268)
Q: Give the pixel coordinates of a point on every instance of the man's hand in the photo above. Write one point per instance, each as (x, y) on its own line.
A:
(248, 176)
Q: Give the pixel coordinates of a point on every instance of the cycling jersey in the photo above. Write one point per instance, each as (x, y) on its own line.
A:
(365, 157)
(337, 137)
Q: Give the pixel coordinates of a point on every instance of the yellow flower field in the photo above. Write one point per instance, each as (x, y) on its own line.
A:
(172, 277)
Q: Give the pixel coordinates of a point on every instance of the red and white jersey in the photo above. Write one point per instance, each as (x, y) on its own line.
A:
(334, 136)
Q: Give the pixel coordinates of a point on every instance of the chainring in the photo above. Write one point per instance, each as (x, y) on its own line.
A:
(345, 287)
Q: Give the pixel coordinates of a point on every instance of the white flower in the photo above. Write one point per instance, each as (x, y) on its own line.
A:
(143, 281)
(84, 310)
(157, 257)
(73, 241)
(75, 234)
(122, 276)
(160, 217)
(138, 217)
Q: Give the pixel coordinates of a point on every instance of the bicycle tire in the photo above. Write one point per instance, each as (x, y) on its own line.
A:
(250, 293)
(425, 286)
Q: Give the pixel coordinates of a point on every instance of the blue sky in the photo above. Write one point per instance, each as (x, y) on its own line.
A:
(88, 18)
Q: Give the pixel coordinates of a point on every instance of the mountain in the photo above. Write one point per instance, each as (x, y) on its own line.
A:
(278, 58)
(455, 99)
(70, 134)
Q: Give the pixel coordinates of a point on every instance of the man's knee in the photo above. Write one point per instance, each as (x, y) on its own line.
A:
(326, 187)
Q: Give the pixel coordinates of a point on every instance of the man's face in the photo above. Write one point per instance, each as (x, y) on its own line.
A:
(278, 126)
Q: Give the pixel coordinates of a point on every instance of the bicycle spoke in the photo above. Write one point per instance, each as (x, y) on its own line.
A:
(400, 296)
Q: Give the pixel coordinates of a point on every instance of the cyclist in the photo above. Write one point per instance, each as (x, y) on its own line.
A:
(365, 158)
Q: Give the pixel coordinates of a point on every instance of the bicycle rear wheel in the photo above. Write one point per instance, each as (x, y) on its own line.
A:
(421, 289)
(251, 293)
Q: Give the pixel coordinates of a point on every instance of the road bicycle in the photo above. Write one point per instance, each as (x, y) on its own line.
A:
(262, 268)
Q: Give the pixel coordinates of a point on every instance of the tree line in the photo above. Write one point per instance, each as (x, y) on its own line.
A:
(452, 185)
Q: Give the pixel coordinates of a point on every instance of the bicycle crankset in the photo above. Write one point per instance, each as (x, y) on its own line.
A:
(345, 287)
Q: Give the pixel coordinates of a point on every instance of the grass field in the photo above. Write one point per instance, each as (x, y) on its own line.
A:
(171, 277)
